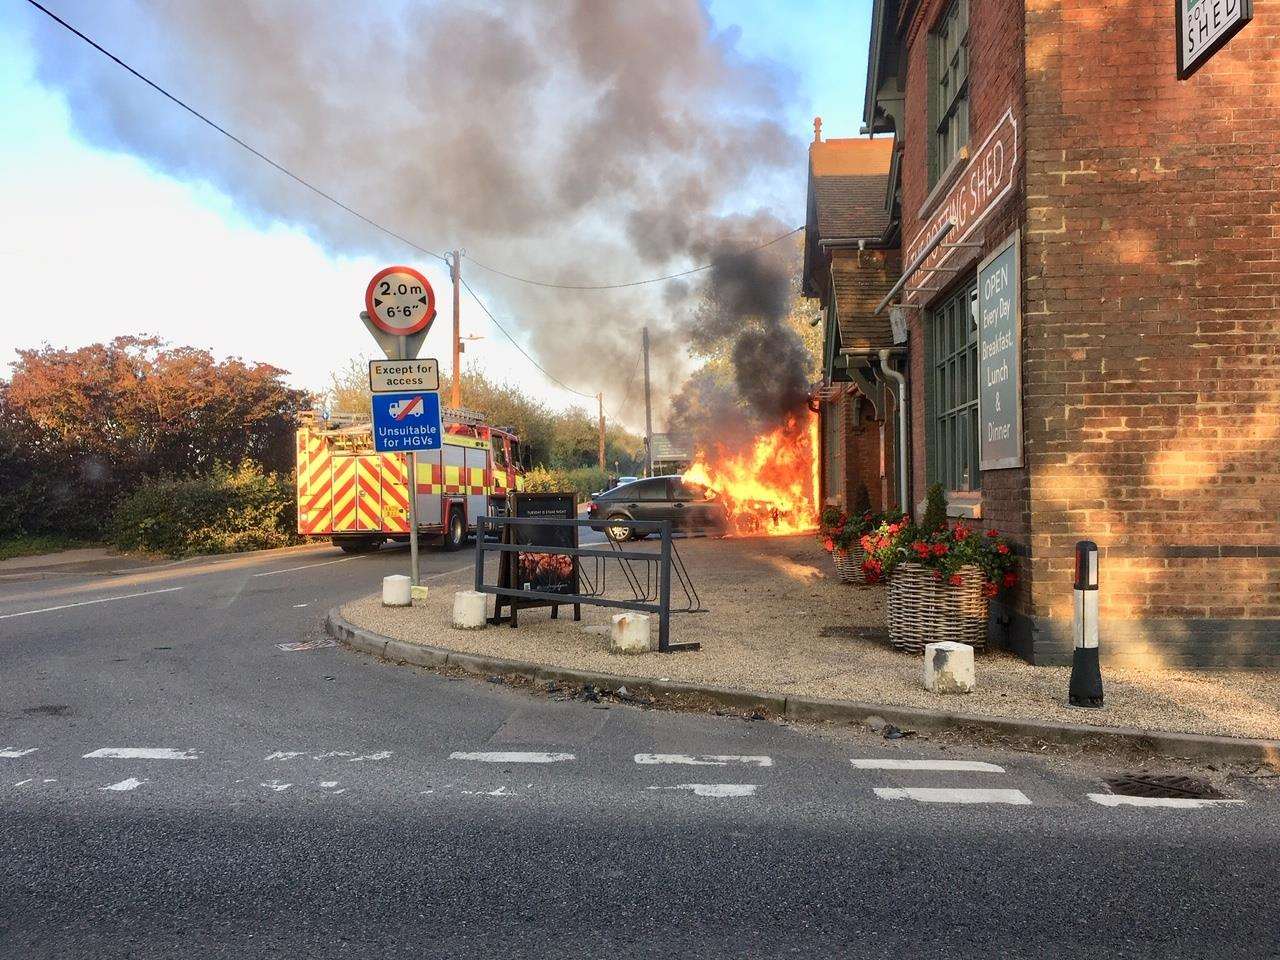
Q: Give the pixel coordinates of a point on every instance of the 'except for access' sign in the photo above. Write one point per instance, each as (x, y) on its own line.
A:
(398, 376)
(405, 422)
(400, 301)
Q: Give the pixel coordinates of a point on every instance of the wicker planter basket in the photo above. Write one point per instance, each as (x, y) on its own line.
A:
(923, 609)
(849, 565)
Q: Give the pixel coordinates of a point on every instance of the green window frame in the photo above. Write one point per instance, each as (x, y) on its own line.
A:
(952, 352)
(949, 88)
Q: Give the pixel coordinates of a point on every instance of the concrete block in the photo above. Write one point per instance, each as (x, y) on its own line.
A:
(396, 591)
(630, 633)
(469, 610)
(948, 667)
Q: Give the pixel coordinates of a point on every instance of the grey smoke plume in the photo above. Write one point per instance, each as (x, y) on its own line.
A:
(570, 140)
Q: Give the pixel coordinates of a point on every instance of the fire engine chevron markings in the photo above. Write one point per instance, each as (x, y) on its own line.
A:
(717, 790)
(1184, 803)
(952, 795)
(140, 753)
(11, 752)
(976, 766)
(702, 760)
(86, 603)
(512, 757)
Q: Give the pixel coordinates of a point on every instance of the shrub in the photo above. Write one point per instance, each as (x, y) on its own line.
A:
(584, 481)
(935, 510)
(230, 509)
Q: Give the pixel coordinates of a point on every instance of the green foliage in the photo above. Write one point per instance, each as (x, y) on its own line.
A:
(584, 481)
(29, 545)
(225, 510)
(935, 511)
(944, 551)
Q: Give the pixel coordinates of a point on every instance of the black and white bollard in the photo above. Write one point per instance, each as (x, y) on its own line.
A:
(1085, 689)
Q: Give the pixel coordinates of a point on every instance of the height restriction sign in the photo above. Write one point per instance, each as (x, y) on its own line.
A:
(400, 301)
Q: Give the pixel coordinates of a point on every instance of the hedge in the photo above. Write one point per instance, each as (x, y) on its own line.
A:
(228, 510)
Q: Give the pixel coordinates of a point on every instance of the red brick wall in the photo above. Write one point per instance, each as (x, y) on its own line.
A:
(1152, 311)
(995, 87)
(856, 455)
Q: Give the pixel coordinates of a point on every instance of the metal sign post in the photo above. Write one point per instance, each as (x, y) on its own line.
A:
(399, 309)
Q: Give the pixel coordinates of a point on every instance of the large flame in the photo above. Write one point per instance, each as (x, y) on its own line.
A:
(771, 488)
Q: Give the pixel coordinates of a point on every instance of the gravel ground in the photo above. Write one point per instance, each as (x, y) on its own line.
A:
(782, 623)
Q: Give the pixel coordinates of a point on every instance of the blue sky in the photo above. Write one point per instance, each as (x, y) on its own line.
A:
(100, 243)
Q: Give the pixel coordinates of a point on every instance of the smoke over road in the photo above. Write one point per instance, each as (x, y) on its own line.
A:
(577, 142)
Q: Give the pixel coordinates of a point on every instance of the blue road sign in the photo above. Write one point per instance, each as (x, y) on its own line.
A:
(406, 421)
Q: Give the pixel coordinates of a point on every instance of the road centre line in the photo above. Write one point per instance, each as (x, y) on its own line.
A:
(512, 757)
(976, 766)
(132, 783)
(1184, 803)
(10, 753)
(306, 566)
(714, 789)
(140, 753)
(85, 603)
(952, 795)
(702, 760)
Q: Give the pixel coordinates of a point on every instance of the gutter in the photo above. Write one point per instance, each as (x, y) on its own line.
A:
(904, 442)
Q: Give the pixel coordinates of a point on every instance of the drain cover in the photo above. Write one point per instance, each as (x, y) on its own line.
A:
(1162, 785)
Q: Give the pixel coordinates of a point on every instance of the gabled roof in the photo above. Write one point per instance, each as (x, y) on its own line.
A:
(860, 283)
(848, 198)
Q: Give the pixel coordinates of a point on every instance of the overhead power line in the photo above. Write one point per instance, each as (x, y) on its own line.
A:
(494, 321)
(626, 396)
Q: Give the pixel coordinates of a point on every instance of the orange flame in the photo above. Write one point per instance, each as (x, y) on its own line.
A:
(770, 489)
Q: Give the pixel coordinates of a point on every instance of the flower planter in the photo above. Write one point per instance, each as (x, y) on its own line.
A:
(923, 609)
(849, 565)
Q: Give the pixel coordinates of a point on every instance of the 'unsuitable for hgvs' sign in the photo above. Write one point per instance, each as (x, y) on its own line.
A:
(404, 422)
(1000, 358)
(1204, 26)
(397, 376)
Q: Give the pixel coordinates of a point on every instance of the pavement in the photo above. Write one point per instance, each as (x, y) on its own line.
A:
(188, 766)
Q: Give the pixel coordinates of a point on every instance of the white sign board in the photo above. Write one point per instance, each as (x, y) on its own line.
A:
(403, 376)
(1204, 26)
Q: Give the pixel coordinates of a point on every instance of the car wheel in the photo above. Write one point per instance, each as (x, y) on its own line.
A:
(457, 534)
(616, 532)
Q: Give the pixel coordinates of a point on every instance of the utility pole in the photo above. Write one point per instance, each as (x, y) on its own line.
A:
(648, 412)
(600, 399)
(455, 273)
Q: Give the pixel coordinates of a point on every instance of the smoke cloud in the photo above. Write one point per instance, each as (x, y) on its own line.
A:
(568, 140)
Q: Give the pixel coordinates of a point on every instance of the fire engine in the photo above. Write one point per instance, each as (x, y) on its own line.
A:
(360, 498)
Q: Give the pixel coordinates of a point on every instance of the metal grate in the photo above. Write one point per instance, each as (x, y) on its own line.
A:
(1163, 785)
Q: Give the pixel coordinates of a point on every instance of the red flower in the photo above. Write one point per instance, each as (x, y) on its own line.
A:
(955, 580)
(993, 534)
(962, 532)
(989, 589)
(937, 574)
(1010, 579)
(940, 549)
(1002, 548)
(828, 544)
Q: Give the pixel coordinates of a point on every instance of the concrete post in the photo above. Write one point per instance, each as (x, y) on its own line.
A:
(469, 610)
(630, 633)
(948, 667)
(1085, 688)
(397, 591)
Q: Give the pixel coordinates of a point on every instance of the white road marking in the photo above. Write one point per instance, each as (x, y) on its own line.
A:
(328, 784)
(140, 753)
(306, 566)
(514, 756)
(299, 606)
(282, 755)
(703, 760)
(952, 795)
(715, 789)
(500, 792)
(304, 645)
(1183, 803)
(11, 752)
(888, 764)
(334, 754)
(380, 755)
(23, 783)
(278, 786)
(133, 783)
(50, 779)
(85, 603)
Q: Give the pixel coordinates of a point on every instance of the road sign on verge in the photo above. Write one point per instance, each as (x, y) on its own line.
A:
(405, 422)
(400, 301)
(398, 376)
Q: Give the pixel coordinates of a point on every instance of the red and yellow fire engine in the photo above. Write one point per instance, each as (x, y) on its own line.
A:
(360, 498)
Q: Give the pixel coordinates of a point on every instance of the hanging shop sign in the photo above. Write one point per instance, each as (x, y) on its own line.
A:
(1000, 358)
(986, 180)
(1204, 27)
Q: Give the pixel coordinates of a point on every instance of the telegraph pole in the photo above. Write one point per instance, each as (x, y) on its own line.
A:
(648, 413)
(455, 273)
(600, 400)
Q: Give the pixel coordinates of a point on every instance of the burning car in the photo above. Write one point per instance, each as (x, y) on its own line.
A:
(690, 506)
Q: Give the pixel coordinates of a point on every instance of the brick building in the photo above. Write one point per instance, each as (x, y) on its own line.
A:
(1088, 305)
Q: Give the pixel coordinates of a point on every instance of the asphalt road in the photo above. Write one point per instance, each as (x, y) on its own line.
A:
(174, 783)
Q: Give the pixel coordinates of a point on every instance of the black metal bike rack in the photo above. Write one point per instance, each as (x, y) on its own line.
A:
(653, 597)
